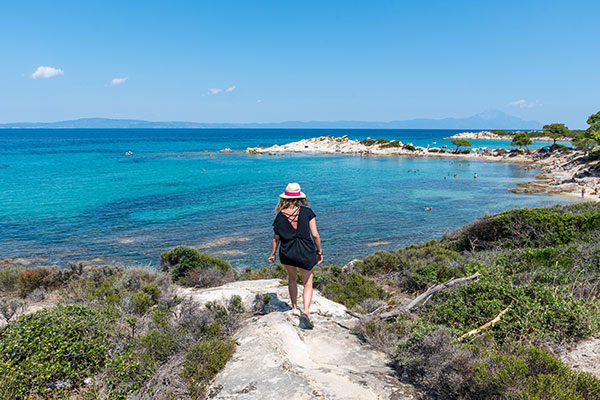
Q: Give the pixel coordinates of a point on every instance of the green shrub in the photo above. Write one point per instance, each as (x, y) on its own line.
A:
(206, 277)
(393, 143)
(537, 311)
(203, 361)
(409, 147)
(32, 278)
(381, 262)
(182, 259)
(531, 373)
(63, 343)
(346, 288)
(447, 370)
(535, 227)
(594, 154)
(382, 141)
(9, 277)
(368, 142)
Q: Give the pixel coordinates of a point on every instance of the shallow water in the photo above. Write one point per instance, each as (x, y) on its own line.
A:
(74, 194)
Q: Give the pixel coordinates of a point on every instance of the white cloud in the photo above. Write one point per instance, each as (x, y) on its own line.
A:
(46, 72)
(213, 91)
(259, 101)
(524, 103)
(118, 81)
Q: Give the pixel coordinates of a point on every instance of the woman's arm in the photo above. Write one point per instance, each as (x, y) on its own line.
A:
(317, 239)
(274, 245)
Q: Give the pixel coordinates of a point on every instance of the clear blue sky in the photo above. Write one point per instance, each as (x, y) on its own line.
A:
(299, 60)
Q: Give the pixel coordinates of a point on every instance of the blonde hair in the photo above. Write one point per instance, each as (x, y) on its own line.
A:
(289, 203)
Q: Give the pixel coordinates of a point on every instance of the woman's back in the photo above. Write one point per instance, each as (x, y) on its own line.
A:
(293, 228)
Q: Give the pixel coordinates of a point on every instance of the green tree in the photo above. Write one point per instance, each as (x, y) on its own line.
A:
(593, 132)
(459, 143)
(521, 139)
(583, 142)
(556, 131)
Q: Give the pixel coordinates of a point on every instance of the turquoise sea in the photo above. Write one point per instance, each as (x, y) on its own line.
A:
(74, 194)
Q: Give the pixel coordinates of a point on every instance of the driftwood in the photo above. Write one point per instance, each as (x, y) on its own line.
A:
(426, 295)
(487, 325)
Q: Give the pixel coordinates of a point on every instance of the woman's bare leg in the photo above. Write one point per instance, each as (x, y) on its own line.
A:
(307, 279)
(292, 285)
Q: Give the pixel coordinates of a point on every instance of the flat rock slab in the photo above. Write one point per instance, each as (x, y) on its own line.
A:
(277, 359)
(584, 356)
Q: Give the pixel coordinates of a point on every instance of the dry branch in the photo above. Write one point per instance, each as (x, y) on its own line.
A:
(487, 325)
(428, 293)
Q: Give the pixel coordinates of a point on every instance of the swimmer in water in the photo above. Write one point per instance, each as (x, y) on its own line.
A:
(475, 176)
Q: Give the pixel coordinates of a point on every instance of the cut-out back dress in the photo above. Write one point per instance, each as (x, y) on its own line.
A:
(296, 247)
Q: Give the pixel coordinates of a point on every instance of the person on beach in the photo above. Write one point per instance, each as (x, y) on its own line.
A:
(296, 234)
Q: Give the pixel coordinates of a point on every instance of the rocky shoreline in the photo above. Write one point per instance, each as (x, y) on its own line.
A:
(487, 135)
(380, 147)
(564, 172)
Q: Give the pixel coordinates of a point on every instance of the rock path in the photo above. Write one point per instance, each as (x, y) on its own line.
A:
(276, 358)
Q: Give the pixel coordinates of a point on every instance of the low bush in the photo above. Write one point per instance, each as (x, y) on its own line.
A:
(409, 147)
(434, 150)
(347, 288)
(30, 279)
(444, 369)
(381, 262)
(68, 343)
(393, 143)
(535, 227)
(9, 277)
(206, 277)
(537, 311)
(594, 154)
(182, 259)
(368, 142)
(382, 141)
(203, 361)
(127, 335)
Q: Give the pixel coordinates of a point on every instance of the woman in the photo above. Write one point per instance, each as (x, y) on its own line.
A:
(299, 244)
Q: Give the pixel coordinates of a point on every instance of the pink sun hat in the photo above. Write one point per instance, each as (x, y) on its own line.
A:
(292, 191)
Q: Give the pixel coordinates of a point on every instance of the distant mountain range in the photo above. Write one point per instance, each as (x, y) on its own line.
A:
(487, 120)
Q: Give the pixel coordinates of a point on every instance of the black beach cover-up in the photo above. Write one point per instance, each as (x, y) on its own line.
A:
(297, 247)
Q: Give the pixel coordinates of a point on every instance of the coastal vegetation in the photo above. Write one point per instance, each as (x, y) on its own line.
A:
(114, 334)
(460, 143)
(521, 139)
(537, 269)
(555, 131)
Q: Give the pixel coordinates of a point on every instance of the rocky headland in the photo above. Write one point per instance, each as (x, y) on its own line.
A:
(487, 135)
(371, 147)
(562, 170)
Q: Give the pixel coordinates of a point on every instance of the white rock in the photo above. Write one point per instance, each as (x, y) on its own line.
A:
(276, 359)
